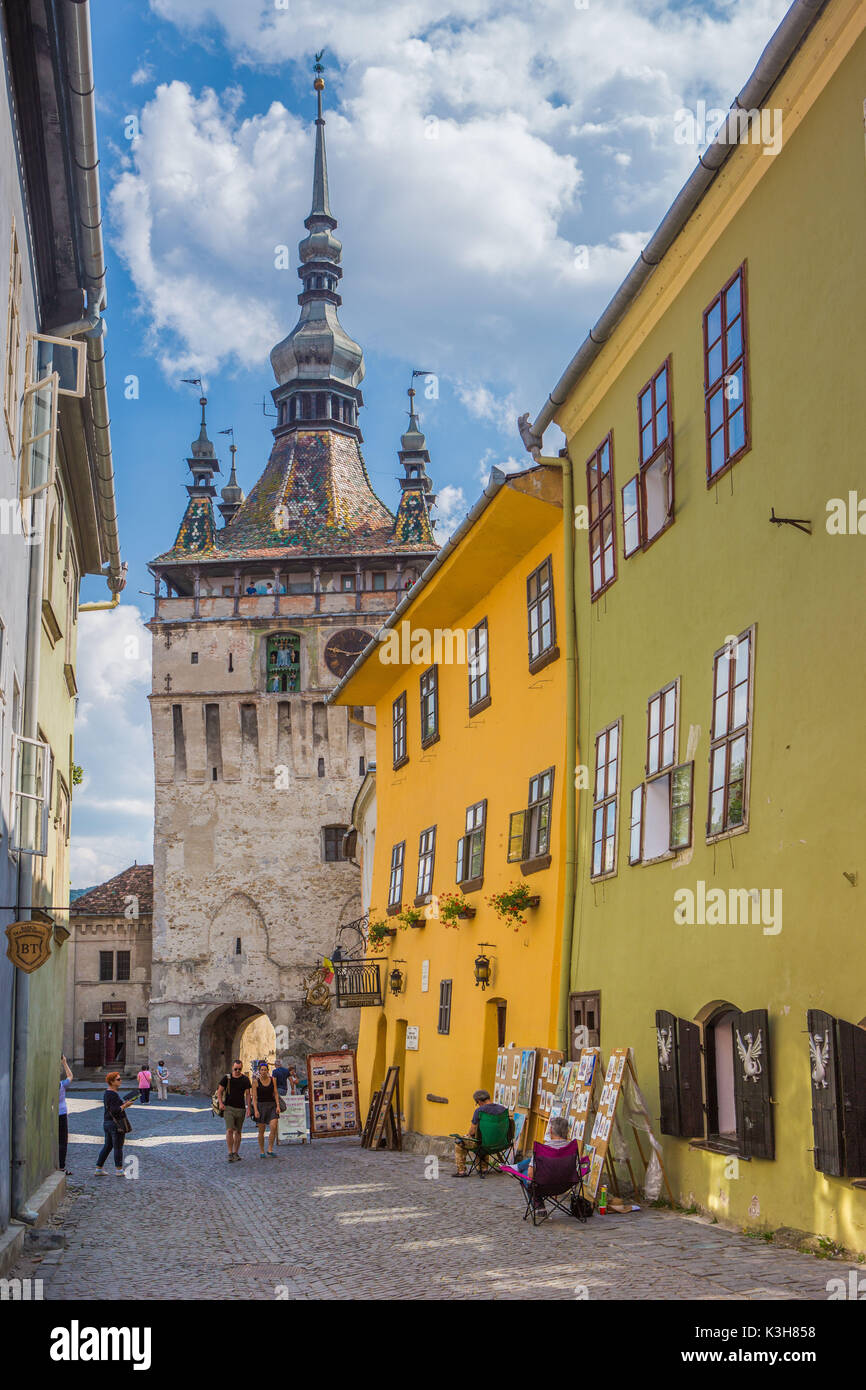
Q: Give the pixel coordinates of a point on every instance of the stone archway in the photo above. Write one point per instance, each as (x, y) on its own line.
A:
(233, 1030)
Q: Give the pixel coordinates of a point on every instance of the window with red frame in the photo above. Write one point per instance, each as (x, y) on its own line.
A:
(648, 497)
(605, 810)
(602, 522)
(730, 735)
(726, 376)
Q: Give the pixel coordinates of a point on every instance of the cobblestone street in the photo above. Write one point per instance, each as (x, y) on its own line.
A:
(334, 1221)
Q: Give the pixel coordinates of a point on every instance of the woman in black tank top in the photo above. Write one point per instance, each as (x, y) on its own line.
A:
(264, 1107)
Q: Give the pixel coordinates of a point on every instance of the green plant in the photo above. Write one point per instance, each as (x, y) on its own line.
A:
(409, 916)
(77, 775)
(453, 907)
(378, 933)
(512, 902)
(828, 1248)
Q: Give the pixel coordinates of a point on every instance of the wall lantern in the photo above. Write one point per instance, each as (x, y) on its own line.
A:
(395, 980)
(483, 972)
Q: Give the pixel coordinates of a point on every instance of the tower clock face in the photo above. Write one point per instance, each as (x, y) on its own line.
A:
(344, 648)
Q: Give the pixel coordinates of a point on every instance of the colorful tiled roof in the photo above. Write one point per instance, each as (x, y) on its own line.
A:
(112, 899)
(314, 498)
(197, 530)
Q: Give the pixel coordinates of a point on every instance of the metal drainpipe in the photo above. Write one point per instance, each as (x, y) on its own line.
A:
(20, 1179)
(80, 85)
(564, 463)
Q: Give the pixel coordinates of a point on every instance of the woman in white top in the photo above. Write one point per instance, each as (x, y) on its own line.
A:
(162, 1081)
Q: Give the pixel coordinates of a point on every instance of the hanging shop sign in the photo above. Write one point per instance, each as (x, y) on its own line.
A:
(29, 944)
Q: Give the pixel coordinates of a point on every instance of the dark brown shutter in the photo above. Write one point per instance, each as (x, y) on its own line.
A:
(669, 1092)
(752, 1084)
(93, 1044)
(852, 1096)
(824, 1077)
(691, 1090)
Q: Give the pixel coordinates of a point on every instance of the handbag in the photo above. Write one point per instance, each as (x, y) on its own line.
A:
(122, 1122)
(282, 1101)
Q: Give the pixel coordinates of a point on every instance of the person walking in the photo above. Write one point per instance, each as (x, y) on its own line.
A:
(145, 1082)
(281, 1075)
(161, 1081)
(62, 1116)
(114, 1123)
(265, 1111)
(233, 1096)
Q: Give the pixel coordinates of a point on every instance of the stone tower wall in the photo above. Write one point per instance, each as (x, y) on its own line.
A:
(245, 905)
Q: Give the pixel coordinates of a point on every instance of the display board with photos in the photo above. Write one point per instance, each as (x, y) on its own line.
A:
(605, 1118)
(573, 1096)
(333, 1093)
(512, 1087)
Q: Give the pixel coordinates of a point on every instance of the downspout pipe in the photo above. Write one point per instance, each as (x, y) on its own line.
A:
(85, 152)
(20, 1178)
(569, 886)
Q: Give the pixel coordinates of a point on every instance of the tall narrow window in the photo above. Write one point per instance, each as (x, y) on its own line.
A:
(444, 1021)
(106, 966)
(123, 965)
(726, 377)
(398, 731)
(470, 847)
(13, 339)
(730, 739)
(602, 521)
(529, 830)
(429, 706)
(284, 663)
(479, 667)
(541, 615)
(661, 747)
(426, 861)
(605, 809)
(395, 882)
(648, 497)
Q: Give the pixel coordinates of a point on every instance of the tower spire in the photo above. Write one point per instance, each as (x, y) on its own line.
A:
(318, 367)
(413, 521)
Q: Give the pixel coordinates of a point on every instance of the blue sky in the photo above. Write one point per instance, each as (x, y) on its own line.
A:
(495, 169)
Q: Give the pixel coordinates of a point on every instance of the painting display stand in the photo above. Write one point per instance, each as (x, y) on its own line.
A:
(620, 1069)
(382, 1129)
(333, 1094)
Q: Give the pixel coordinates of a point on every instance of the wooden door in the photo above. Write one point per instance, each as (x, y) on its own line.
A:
(94, 1035)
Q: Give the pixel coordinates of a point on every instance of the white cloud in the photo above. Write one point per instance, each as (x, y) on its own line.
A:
(112, 810)
(451, 508)
(143, 73)
(552, 156)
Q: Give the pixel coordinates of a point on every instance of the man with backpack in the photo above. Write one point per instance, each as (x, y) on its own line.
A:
(233, 1103)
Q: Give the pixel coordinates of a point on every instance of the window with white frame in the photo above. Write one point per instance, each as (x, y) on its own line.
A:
(395, 882)
(605, 808)
(730, 735)
(479, 667)
(661, 744)
(470, 847)
(426, 861)
(31, 795)
(661, 815)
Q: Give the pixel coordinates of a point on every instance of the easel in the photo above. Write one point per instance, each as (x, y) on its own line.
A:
(619, 1064)
(382, 1128)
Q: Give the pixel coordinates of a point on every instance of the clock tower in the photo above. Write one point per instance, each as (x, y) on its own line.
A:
(254, 622)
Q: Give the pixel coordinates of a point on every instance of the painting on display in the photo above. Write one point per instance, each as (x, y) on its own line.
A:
(527, 1071)
(333, 1092)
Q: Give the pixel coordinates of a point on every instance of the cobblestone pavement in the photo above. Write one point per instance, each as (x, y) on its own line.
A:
(330, 1220)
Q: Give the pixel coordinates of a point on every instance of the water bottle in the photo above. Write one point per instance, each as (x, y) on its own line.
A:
(602, 1200)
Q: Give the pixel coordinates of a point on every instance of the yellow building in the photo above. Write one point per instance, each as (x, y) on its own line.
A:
(469, 682)
(718, 412)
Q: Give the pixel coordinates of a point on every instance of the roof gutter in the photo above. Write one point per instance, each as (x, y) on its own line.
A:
(495, 485)
(772, 62)
(80, 89)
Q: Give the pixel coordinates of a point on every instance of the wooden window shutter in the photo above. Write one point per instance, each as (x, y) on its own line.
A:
(461, 859)
(826, 1111)
(669, 1091)
(517, 824)
(752, 1084)
(690, 1082)
(852, 1096)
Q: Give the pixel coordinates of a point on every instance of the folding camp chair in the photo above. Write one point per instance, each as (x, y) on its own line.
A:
(557, 1178)
(491, 1148)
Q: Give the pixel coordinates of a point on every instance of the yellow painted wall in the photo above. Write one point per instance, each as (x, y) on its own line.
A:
(493, 755)
(799, 220)
(51, 872)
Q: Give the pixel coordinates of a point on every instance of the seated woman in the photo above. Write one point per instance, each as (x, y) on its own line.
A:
(556, 1138)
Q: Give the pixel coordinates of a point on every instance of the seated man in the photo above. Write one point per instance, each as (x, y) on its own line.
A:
(482, 1102)
(557, 1138)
